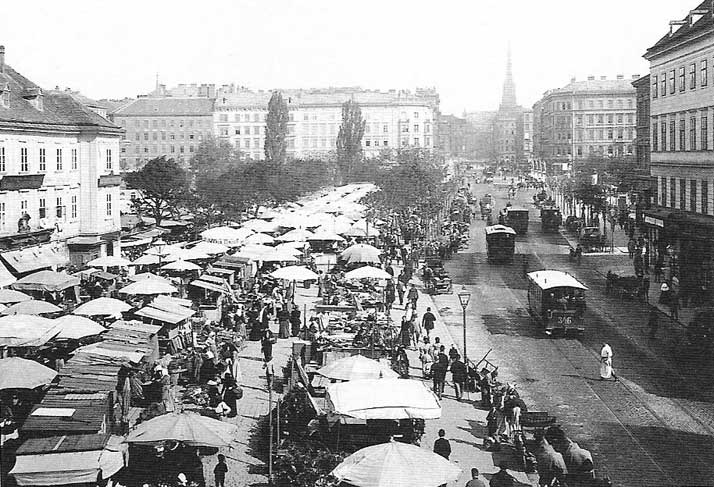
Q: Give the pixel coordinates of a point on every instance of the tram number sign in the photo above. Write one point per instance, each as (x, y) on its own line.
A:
(565, 320)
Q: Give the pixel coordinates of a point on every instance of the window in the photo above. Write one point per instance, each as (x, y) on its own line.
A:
(682, 84)
(655, 86)
(705, 196)
(672, 135)
(385, 128)
(703, 138)
(682, 135)
(672, 191)
(663, 191)
(655, 134)
(73, 209)
(620, 134)
(43, 208)
(109, 159)
(146, 135)
(2, 215)
(703, 73)
(416, 128)
(693, 76)
(385, 143)
(682, 193)
(663, 142)
(693, 133)
(672, 82)
(43, 159)
(2, 159)
(416, 141)
(663, 84)
(590, 119)
(24, 163)
(609, 134)
(693, 195)
(59, 159)
(59, 207)
(223, 117)
(416, 114)
(109, 205)
(609, 119)
(599, 119)
(619, 118)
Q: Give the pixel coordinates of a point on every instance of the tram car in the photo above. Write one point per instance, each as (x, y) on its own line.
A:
(550, 218)
(500, 243)
(556, 301)
(517, 219)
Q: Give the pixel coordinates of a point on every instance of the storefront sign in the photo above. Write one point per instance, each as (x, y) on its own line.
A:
(654, 221)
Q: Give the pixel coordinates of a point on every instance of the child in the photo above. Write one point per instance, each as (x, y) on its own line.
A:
(220, 471)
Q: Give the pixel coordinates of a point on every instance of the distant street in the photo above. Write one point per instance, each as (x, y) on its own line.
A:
(654, 426)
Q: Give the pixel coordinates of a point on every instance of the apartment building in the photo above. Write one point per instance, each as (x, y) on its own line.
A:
(682, 147)
(59, 185)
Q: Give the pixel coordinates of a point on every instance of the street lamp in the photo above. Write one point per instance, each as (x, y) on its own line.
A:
(464, 297)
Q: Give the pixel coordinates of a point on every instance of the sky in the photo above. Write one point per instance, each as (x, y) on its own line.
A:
(115, 49)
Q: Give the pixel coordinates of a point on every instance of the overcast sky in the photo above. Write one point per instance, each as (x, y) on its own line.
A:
(115, 49)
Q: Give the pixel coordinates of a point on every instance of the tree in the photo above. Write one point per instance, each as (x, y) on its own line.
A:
(213, 157)
(349, 138)
(163, 184)
(276, 130)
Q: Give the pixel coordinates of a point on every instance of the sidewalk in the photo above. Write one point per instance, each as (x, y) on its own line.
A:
(464, 421)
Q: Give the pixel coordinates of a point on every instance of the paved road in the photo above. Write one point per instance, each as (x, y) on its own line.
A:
(653, 427)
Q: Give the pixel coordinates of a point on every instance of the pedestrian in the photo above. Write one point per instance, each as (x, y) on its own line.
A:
(266, 344)
(269, 372)
(673, 305)
(606, 371)
(475, 479)
(631, 246)
(413, 296)
(578, 253)
(220, 471)
(653, 322)
(453, 353)
(645, 288)
(502, 478)
(441, 365)
(405, 332)
(284, 321)
(427, 322)
(426, 359)
(389, 295)
(295, 321)
(400, 291)
(442, 446)
(458, 376)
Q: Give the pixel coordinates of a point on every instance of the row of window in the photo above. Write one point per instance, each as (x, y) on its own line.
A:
(164, 123)
(593, 104)
(601, 119)
(594, 150)
(155, 148)
(681, 79)
(171, 136)
(681, 137)
(25, 159)
(43, 211)
(685, 194)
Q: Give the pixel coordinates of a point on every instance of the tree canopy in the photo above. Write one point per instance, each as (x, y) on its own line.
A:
(163, 184)
(276, 130)
(349, 138)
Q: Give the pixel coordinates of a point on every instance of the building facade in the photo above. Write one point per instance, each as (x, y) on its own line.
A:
(59, 191)
(591, 119)
(528, 136)
(165, 126)
(682, 145)
(393, 120)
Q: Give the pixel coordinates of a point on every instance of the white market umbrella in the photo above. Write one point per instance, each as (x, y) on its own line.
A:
(322, 234)
(297, 235)
(354, 232)
(76, 327)
(181, 265)
(259, 239)
(31, 307)
(186, 254)
(292, 248)
(148, 275)
(395, 464)
(148, 287)
(148, 259)
(368, 272)
(357, 367)
(102, 307)
(260, 225)
(20, 373)
(294, 273)
(361, 253)
(26, 330)
(210, 248)
(10, 296)
(187, 427)
(109, 261)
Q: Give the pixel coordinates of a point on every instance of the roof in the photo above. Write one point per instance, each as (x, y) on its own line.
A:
(686, 32)
(60, 444)
(549, 279)
(157, 107)
(60, 109)
(499, 229)
(73, 414)
(594, 86)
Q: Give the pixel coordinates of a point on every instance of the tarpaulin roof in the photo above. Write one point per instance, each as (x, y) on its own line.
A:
(36, 257)
(26, 330)
(46, 281)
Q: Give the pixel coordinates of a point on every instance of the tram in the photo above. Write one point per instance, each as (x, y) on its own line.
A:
(556, 301)
(500, 243)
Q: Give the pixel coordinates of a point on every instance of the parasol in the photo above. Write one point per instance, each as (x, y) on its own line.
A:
(9, 296)
(148, 259)
(148, 286)
(361, 253)
(102, 307)
(297, 235)
(294, 273)
(368, 272)
(76, 327)
(31, 307)
(189, 428)
(259, 238)
(181, 265)
(260, 226)
(357, 367)
(148, 275)
(210, 248)
(26, 330)
(109, 261)
(20, 373)
(395, 463)
(325, 235)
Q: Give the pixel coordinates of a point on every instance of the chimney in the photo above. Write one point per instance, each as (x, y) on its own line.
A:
(591, 78)
(603, 78)
(620, 76)
(2, 59)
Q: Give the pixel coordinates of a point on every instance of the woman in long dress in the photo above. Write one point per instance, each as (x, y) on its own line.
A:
(606, 362)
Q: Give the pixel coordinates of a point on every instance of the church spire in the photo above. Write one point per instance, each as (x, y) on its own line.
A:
(508, 100)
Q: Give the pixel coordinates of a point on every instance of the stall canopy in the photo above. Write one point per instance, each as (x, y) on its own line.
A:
(383, 399)
(49, 281)
(26, 331)
(394, 463)
(368, 272)
(109, 261)
(10, 296)
(357, 367)
(6, 278)
(76, 327)
(102, 307)
(19, 373)
(211, 248)
(294, 273)
(361, 253)
(189, 428)
(37, 257)
(31, 307)
(203, 284)
(148, 287)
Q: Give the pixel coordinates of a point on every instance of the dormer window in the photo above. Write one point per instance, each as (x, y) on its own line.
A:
(35, 97)
(5, 96)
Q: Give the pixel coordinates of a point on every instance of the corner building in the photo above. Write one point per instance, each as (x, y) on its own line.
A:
(681, 143)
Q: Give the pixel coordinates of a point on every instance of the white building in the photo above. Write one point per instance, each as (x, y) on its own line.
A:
(394, 119)
(59, 185)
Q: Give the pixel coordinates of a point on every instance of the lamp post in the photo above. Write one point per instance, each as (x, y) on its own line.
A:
(159, 243)
(464, 297)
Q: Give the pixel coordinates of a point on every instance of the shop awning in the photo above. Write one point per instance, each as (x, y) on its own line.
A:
(209, 285)
(66, 468)
(35, 258)
(160, 315)
(656, 216)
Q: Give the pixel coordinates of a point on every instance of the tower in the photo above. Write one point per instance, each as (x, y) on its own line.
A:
(508, 99)
(508, 124)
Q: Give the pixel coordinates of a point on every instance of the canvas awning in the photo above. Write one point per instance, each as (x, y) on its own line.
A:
(209, 285)
(39, 257)
(67, 467)
(49, 281)
(160, 315)
(5, 277)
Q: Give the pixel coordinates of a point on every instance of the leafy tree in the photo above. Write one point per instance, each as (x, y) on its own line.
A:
(349, 138)
(213, 157)
(163, 184)
(276, 130)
